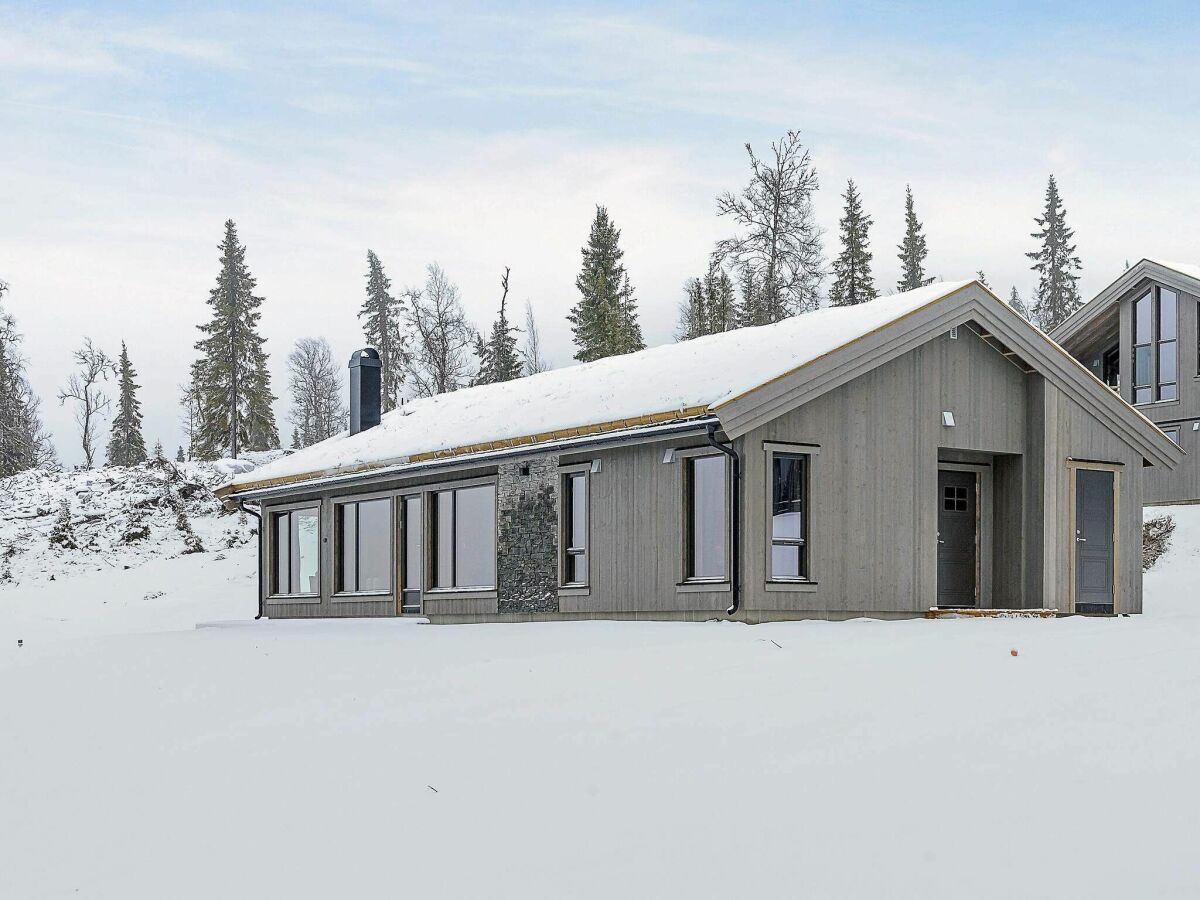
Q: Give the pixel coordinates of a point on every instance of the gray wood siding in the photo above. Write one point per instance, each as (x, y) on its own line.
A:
(635, 558)
(873, 519)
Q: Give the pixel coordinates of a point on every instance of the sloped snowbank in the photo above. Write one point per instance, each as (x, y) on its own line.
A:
(120, 516)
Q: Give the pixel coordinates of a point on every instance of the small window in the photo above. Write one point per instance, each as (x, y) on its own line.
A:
(296, 548)
(789, 519)
(706, 517)
(1172, 433)
(575, 529)
(464, 538)
(363, 532)
(954, 499)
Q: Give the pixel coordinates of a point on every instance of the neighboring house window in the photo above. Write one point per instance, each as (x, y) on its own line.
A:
(464, 538)
(789, 516)
(1155, 356)
(1172, 433)
(296, 547)
(575, 529)
(363, 532)
(707, 510)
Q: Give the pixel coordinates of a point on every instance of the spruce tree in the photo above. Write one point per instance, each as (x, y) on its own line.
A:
(1015, 301)
(692, 315)
(604, 321)
(499, 359)
(381, 314)
(126, 447)
(852, 283)
(1058, 268)
(179, 455)
(913, 249)
(231, 378)
(24, 443)
(750, 311)
(709, 306)
(982, 279)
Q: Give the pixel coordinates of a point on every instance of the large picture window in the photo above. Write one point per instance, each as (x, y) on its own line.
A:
(364, 546)
(575, 529)
(789, 516)
(707, 513)
(296, 543)
(1155, 346)
(464, 538)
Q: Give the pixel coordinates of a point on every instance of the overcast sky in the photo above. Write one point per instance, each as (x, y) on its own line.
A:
(482, 139)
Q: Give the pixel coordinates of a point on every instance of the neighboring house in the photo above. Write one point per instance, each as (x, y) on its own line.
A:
(926, 449)
(1139, 336)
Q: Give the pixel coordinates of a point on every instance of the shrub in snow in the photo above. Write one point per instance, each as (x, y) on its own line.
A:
(1156, 538)
(135, 530)
(61, 533)
(191, 542)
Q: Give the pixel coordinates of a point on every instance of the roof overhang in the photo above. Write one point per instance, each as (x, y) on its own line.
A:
(972, 302)
(1080, 324)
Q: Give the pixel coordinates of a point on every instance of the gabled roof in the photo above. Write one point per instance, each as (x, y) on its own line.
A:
(737, 376)
(1181, 276)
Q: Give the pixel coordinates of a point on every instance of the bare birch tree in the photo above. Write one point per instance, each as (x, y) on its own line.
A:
(441, 360)
(315, 383)
(532, 354)
(84, 389)
(780, 245)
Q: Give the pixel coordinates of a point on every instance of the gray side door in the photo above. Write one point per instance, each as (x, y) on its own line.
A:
(958, 530)
(1095, 553)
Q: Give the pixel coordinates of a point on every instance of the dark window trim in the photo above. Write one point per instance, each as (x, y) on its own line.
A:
(1154, 343)
(565, 516)
(339, 504)
(273, 515)
(432, 525)
(807, 452)
(688, 458)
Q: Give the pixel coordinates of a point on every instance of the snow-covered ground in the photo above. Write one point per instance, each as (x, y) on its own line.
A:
(141, 757)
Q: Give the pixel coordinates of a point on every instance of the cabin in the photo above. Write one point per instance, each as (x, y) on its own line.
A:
(1141, 337)
(926, 450)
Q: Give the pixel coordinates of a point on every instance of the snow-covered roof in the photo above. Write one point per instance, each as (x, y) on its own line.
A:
(673, 381)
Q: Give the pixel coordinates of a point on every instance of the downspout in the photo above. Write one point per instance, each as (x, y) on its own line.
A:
(242, 507)
(735, 517)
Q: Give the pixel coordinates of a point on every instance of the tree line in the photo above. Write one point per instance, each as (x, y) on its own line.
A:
(771, 268)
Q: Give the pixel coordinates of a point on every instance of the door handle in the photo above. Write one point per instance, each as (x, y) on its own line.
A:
(1081, 540)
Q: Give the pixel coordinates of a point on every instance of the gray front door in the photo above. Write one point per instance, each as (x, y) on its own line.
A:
(1095, 553)
(958, 528)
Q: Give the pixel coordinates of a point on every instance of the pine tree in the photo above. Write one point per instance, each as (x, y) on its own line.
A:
(62, 532)
(231, 379)
(852, 283)
(381, 315)
(179, 455)
(750, 311)
(982, 279)
(604, 321)
(498, 356)
(1015, 301)
(1058, 268)
(24, 443)
(709, 306)
(126, 447)
(913, 249)
(781, 242)
(159, 456)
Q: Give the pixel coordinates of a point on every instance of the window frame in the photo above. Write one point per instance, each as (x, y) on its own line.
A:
(402, 562)
(565, 551)
(1177, 430)
(808, 581)
(272, 543)
(337, 559)
(687, 458)
(430, 522)
(1153, 343)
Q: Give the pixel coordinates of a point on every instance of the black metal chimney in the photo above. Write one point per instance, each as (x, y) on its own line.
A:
(365, 370)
